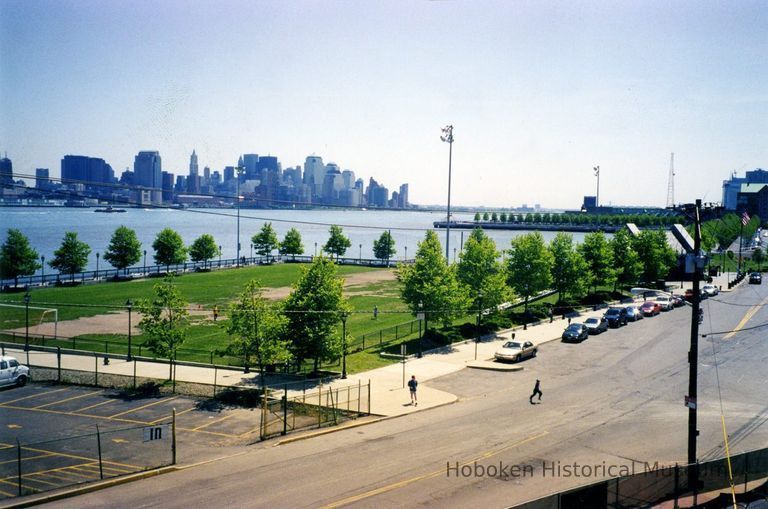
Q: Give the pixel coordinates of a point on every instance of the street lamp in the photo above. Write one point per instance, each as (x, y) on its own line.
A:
(239, 170)
(251, 250)
(315, 248)
(361, 252)
(344, 315)
(219, 255)
(479, 318)
(597, 174)
(448, 138)
(420, 317)
(27, 297)
(42, 265)
(97, 265)
(145, 261)
(406, 253)
(454, 255)
(129, 305)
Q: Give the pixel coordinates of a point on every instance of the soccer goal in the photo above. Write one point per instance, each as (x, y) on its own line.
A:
(13, 318)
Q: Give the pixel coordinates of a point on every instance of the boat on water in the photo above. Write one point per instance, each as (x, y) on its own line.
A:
(109, 210)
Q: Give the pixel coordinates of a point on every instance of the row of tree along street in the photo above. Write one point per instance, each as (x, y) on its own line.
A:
(18, 258)
(566, 218)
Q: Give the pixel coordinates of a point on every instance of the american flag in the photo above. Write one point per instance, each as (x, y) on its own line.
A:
(744, 218)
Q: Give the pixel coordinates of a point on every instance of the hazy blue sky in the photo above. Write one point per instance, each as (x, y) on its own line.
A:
(539, 92)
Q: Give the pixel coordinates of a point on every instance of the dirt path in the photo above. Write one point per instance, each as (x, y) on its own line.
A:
(117, 322)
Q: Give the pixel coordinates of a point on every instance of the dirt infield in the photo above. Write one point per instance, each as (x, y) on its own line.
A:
(117, 322)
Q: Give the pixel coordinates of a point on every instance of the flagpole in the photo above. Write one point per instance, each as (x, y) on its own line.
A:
(741, 243)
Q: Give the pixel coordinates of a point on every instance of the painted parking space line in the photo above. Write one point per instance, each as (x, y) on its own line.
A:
(77, 457)
(169, 416)
(15, 484)
(215, 421)
(164, 400)
(87, 395)
(60, 412)
(16, 460)
(94, 406)
(31, 396)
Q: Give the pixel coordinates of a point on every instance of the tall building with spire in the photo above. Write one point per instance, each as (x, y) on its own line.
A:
(193, 180)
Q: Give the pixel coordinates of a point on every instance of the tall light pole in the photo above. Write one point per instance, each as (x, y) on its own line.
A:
(239, 171)
(693, 356)
(97, 265)
(42, 266)
(597, 174)
(361, 253)
(420, 317)
(129, 305)
(145, 261)
(448, 138)
(344, 316)
(27, 298)
(479, 318)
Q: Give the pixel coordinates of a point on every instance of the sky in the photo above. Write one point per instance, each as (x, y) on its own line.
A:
(538, 92)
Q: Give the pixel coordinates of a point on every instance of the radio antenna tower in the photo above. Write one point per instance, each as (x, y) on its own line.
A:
(671, 187)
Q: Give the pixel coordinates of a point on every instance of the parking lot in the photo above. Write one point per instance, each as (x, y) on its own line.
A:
(56, 427)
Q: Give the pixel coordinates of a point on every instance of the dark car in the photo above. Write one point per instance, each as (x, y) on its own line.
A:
(755, 278)
(677, 301)
(596, 325)
(616, 317)
(575, 332)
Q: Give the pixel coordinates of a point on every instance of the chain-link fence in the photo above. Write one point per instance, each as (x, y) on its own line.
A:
(655, 485)
(29, 468)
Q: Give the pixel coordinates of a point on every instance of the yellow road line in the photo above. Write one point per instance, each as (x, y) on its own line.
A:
(31, 479)
(70, 399)
(227, 435)
(16, 484)
(76, 457)
(214, 421)
(75, 414)
(94, 406)
(25, 459)
(747, 317)
(406, 482)
(143, 407)
(8, 494)
(169, 415)
(31, 396)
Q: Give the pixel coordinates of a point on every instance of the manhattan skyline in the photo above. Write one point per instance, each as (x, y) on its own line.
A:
(538, 93)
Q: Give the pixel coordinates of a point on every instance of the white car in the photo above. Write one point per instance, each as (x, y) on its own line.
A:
(664, 302)
(12, 373)
(710, 289)
(515, 351)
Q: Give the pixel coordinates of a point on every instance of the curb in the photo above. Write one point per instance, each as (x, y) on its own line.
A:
(91, 488)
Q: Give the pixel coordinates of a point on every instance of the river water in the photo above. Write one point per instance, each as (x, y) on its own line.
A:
(45, 228)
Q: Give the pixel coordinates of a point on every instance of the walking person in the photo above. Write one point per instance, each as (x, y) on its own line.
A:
(536, 390)
(412, 384)
(215, 313)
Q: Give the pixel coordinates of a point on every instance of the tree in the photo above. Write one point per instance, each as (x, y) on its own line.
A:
(265, 241)
(204, 248)
(124, 248)
(477, 217)
(313, 309)
(169, 248)
(486, 216)
(384, 247)
(291, 244)
(758, 257)
(257, 329)
(503, 217)
(627, 264)
(430, 285)
(570, 274)
(494, 217)
(17, 258)
(338, 243)
(481, 272)
(529, 265)
(599, 257)
(655, 254)
(164, 320)
(72, 255)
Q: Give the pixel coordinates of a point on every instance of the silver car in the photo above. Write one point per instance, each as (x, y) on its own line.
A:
(634, 314)
(515, 351)
(12, 373)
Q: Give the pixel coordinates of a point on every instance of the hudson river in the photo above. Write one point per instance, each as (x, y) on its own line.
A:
(45, 228)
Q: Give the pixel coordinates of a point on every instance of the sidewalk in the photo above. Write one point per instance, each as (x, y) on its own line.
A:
(389, 394)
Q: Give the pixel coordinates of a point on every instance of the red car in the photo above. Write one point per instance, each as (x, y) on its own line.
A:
(650, 308)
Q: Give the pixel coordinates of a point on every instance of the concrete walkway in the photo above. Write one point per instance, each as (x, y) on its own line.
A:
(389, 394)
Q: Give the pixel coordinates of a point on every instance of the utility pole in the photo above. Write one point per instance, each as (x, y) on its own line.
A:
(693, 355)
(448, 138)
(597, 197)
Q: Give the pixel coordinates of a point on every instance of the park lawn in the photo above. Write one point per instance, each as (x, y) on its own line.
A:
(207, 288)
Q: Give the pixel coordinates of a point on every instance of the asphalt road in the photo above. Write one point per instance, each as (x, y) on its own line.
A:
(615, 399)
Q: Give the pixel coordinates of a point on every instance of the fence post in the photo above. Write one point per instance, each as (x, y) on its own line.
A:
(677, 483)
(397, 330)
(263, 431)
(134, 372)
(319, 405)
(285, 409)
(18, 464)
(369, 397)
(98, 443)
(746, 471)
(96, 362)
(359, 395)
(58, 364)
(215, 379)
(173, 436)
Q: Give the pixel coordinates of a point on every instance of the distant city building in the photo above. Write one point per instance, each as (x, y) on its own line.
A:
(42, 178)
(590, 204)
(403, 201)
(6, 172)
(193, 179)
(167, 187)
(314, 174)
(148, 169)
(733, 186)
(87, 173)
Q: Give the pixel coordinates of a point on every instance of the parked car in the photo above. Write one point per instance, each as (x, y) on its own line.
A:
(710, 290)
(575, 332)
(677, 301)
(664, 302)
(596, 325)
(689, 295)
(650, 308)
(515, 351)
(634, 314)
(755, 278)
(12, 373)
(616, 317)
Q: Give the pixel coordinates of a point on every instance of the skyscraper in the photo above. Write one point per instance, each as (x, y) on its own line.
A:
(148, 174)
(193, 181)
(314, 174)
(42, 178)
(6, 172)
